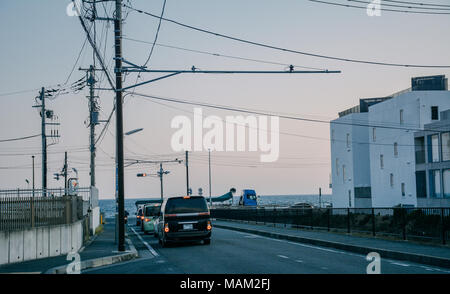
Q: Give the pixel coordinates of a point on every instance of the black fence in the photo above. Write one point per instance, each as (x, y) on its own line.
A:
(422, 224)
(18, 213)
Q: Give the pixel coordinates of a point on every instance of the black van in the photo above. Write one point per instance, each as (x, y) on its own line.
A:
(184, 219)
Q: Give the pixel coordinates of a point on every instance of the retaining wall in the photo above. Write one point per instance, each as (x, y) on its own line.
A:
(18, 246)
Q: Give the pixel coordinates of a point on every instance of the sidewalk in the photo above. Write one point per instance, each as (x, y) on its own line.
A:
(100, 250)
(401, 250)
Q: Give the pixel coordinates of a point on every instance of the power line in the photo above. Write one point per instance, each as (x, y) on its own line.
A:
(296, 134)
(382, 9)
(286, 49)
(401, 6)
(20, 138)
(94, 47)
(221, 55)
(258, 112)
(156, 35)
(417, 3)
(19, 92)
(153, 45)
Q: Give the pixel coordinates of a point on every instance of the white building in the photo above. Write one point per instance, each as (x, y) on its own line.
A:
(350, 164)
(379, 158)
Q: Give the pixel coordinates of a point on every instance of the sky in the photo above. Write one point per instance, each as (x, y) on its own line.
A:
(41, 43)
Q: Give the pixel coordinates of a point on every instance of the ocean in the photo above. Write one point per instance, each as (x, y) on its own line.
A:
(108, 206)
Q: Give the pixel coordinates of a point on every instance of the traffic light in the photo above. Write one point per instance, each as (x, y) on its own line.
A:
(141, 175)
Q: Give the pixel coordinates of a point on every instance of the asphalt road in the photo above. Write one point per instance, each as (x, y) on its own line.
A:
(232, 252)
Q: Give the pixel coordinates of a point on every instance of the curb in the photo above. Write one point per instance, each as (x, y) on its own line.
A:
(423, 259)
(98, 262)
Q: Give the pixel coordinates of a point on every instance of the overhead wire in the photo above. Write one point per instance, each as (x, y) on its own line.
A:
(263, 45)
(381, 9)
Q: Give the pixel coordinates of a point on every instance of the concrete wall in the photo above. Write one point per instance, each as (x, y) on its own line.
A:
(17, 246)
(94, 219)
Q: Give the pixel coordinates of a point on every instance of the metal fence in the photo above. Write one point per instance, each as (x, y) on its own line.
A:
(83, 192)
(423, 224)
(21, 212)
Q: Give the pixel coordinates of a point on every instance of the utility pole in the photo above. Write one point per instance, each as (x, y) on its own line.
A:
(187, 174)
(320, 197)
(209, 165)
(32, 158)
(45, 113)
(161, 173)
(44, 144)
(92, 122)
(65, 172)
(119, 123)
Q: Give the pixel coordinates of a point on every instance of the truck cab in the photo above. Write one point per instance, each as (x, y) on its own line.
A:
(248, 198)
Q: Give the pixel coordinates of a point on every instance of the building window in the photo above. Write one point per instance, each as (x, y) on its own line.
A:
(435, 148)
(337, 166)
(446, 182)
(435, 184)
(349, 198)
(374, 134)
(421, 184)
(396, 149)
(343, 173)
(419, 145)
(381, 161)
(401, 116)
(445, 142)
(332, 136)
(434, 113)
(391, 180)
(348, 140)
(403, 189)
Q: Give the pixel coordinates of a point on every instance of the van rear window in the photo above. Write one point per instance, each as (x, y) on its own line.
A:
(186, 205)
(152, 210)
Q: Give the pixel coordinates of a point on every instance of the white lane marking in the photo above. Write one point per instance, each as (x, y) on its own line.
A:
(426, 268)
(283, 256)
(334, 251)
(315, 247)
(400, 264)
(299, 261)
(298, 244)
(251, 236)
(434, 269)
(152, 251)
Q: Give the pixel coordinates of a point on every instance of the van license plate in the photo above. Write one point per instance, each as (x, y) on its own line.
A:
(188, 227)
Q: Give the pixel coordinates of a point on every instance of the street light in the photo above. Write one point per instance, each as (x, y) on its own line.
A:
(133, 131)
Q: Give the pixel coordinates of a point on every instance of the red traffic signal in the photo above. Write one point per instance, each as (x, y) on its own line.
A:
(141, 175)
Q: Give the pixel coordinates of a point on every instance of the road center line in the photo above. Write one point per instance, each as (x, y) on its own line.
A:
(152, 251)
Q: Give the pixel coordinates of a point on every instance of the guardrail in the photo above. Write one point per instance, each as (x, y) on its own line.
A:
(424, 224)
(21, 212)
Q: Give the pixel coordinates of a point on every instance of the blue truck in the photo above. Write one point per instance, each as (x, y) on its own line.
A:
(248, 198)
